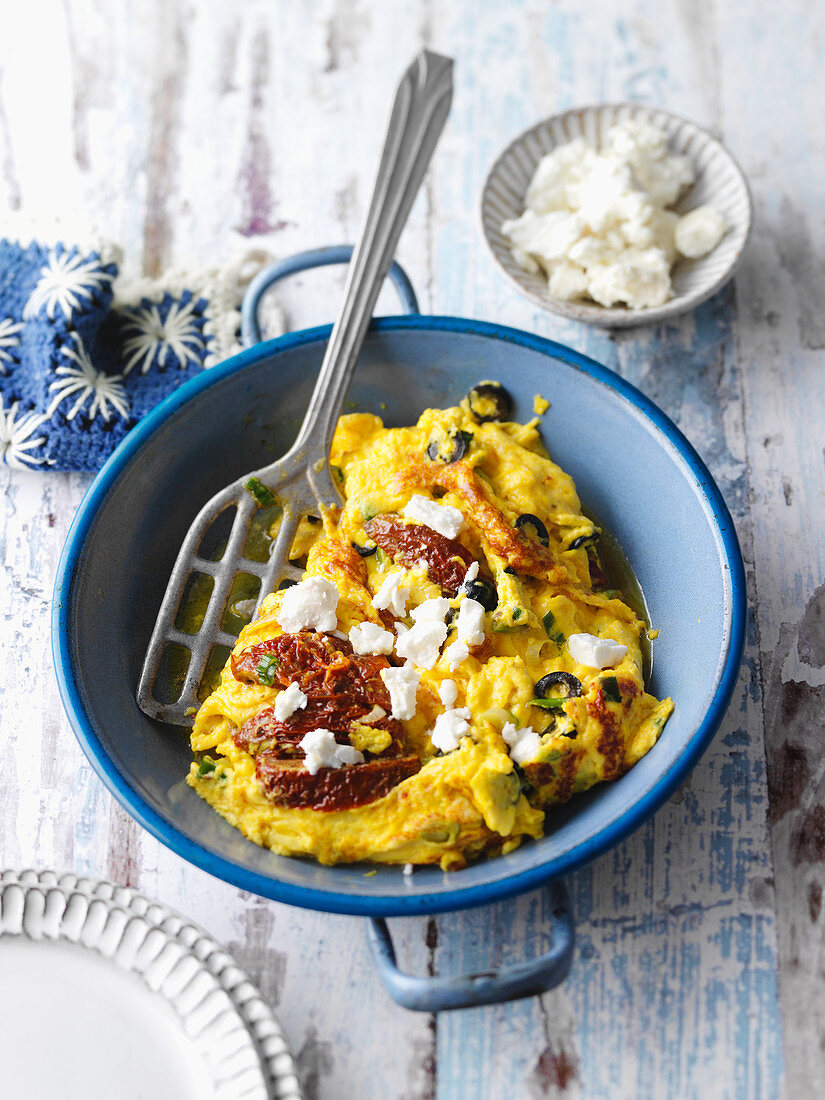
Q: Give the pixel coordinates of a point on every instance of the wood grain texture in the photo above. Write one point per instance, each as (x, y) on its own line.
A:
(183, 130)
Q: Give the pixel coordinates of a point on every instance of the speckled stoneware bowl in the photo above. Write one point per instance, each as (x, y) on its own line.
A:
(719, 182)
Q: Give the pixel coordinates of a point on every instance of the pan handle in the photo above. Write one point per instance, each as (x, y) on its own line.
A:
(506, 983)
(304, 261)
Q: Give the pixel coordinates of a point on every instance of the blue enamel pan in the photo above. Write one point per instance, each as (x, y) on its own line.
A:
(634, 470)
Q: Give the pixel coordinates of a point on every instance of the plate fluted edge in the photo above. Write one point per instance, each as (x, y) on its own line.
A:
(216, 1000)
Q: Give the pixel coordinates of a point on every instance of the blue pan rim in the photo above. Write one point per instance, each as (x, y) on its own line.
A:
(392, 905)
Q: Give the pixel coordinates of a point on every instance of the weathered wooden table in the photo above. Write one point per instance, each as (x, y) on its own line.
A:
(176, 125)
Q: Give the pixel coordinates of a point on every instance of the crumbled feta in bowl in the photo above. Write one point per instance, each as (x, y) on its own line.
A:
(596, 220)
(616, 214)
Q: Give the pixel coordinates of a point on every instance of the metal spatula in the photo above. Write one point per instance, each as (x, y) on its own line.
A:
(301, 481)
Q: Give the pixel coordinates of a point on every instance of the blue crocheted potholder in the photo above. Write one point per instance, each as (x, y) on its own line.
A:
(76, 372)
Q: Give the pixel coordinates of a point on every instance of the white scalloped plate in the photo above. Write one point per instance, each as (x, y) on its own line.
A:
(719, 181)
(106, 993)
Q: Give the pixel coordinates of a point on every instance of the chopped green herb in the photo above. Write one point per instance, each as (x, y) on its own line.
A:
(610, 688)
(259, 491)
(467, 437)
(266, 670)
(501, 626)
(550, 629)
(339, 473)
(517, 613)
(207, 766)
(547, 704)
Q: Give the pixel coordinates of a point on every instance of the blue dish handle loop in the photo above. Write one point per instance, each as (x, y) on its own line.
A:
(304, 261)
(506, 983)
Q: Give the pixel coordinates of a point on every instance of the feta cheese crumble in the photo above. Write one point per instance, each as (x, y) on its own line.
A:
(443, 518)
(435, 608)
(371, 638)
(310, 604)
(448, 692)
(449, 728)
(699, 232)
(391, 596)
(470, 575)
(469, 631)
(595, 652)
(402, 684)
(322, 751)
(422, 642)
(524, 743)
(470, 623)
(596, 222)
(288, 701)
(455, 653)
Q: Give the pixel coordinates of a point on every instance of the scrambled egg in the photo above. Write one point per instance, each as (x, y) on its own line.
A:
(532, 725)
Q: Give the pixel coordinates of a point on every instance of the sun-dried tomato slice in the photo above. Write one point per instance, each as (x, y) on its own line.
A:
(303, 658)
(320, 664)
(288, 783)
(341, 689)
(265, 733)
(407, 543)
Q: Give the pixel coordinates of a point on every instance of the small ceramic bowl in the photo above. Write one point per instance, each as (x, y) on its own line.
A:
(719, 182)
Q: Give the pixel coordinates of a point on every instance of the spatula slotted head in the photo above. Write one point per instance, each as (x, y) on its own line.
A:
(225, 567)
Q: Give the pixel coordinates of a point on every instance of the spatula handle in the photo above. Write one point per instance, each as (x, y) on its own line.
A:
(419, 112)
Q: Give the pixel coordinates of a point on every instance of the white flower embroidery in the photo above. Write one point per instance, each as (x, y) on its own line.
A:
(103, 390)
(64, 280)
(16, 437)
(9, 338)
(155, 335)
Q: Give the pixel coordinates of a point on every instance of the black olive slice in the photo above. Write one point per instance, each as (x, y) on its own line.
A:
(553, 681)
(483, 591)
(364, 551)
(529, 520)
(489, 401)
(456, 448)
(583, 540)
(509, 569)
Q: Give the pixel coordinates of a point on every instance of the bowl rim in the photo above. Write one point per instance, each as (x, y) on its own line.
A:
(399, 904)
(591, 313)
